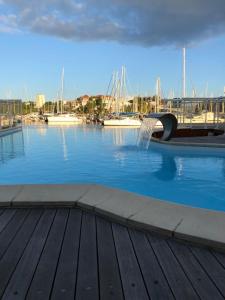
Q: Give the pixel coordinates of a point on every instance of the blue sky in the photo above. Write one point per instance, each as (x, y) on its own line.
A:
(31, 62)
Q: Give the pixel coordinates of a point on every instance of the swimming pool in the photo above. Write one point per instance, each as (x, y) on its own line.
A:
(110, 156)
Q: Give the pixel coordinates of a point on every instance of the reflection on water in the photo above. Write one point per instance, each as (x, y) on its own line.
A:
(167, 166)
(118, 137)
(11, 146)
(42, 130)
(187, 152)
(119, 140)
(118, 134)
(64, 144)
(180, 167)
(167, 170)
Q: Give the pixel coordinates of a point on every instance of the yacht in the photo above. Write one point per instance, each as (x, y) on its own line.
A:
(67, 118)
(62, 117)
(122, 121)
(119, 94)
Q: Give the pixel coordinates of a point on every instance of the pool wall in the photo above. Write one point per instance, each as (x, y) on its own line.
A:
(7, 131)
(189, 143)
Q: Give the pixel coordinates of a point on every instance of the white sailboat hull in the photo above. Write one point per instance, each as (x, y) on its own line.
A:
(122, 122)
(64, 119)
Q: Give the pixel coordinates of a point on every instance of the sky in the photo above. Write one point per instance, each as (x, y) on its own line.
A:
(93, 38)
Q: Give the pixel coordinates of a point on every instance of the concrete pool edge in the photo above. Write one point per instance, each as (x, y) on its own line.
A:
(196, 225)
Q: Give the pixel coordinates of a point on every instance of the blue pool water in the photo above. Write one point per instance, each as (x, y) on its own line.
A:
(110, 156)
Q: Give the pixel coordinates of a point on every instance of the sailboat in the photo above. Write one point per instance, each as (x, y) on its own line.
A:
(63, 117)
(119, 94)
(122, 121)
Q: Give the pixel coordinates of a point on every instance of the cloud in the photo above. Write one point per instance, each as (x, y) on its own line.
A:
(140, 22)
(8, 23)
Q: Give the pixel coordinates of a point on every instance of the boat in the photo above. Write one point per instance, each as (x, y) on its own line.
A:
(67, 118)
(122, 121)
(119, 94)
(60, 116)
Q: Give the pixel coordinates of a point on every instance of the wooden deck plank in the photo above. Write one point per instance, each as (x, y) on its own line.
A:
(5, 217)
(49, 255)
(220, 257)
(203, 285)
(11, 257)
(20, 281)
(133, 284)
(64, 285)
(154, 277)
(87, 277)
(213, 268)
(42, 281)
(109, 275)
(179, 283)
(11, 229)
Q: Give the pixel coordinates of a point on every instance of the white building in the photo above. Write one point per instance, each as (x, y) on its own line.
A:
(40, 101)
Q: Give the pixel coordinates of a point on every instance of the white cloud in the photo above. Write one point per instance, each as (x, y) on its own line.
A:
(142, 22)
(8, 23)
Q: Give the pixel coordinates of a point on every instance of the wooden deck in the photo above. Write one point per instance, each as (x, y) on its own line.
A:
(67, 254)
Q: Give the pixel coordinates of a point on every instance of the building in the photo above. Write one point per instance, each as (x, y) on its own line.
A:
(40, 101)
(83, 100)
(75, 104)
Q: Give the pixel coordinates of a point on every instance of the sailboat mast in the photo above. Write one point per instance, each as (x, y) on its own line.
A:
(158, 94)
(57, 99)
(124, 87)
(184, 73)
(62, 90)
(118, 93)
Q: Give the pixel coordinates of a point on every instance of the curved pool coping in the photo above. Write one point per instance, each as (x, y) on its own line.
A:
(188, 144)
(196, 225)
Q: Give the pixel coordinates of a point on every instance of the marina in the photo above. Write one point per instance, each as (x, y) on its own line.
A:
(112, 150)
(10, 116)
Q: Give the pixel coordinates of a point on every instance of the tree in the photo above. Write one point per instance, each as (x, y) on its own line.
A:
(89, 107)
